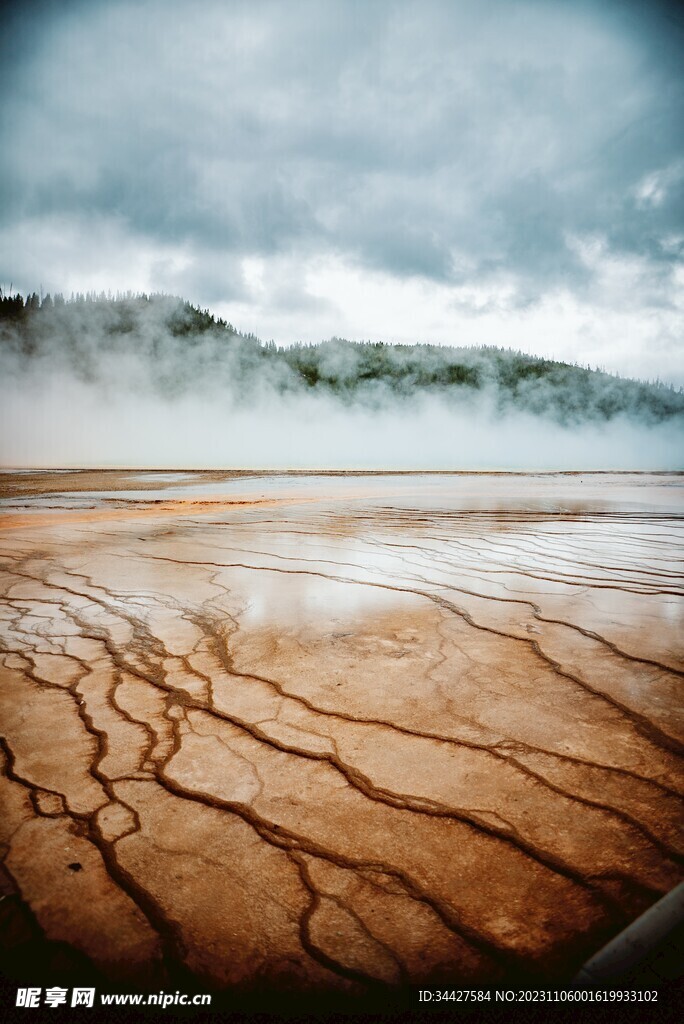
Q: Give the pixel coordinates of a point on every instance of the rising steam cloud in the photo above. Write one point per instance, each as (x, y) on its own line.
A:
(157, 383)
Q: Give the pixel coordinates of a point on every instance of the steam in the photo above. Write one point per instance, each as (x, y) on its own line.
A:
(175, 391)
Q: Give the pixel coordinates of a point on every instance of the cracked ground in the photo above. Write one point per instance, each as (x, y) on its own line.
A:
(334, 733)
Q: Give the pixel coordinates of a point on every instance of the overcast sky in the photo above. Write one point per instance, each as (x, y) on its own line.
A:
(495, 171)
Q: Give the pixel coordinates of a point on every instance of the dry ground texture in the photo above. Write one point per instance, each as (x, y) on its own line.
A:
(329, 733)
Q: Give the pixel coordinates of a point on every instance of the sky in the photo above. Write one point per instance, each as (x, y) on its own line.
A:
(505, 172)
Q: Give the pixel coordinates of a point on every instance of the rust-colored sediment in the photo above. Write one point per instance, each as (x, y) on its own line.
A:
(327, 738)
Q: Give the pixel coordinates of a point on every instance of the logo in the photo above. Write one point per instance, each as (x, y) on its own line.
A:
(55, 996)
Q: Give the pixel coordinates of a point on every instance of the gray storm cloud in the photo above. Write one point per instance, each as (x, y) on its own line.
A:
(463, 144)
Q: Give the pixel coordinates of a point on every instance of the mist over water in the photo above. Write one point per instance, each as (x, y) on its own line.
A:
(62, 422)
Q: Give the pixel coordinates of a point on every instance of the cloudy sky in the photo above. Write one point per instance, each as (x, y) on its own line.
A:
(506, 172)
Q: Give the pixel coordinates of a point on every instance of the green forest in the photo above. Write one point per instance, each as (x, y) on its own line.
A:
(165, 343)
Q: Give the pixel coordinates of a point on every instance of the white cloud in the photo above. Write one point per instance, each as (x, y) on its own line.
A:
(653, 188)
(608, 328)
(90, 253)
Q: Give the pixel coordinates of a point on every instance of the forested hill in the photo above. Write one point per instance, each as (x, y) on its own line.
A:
(163, 343)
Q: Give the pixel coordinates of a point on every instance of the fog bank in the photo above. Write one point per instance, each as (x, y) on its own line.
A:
(65, 423)
(152, 381)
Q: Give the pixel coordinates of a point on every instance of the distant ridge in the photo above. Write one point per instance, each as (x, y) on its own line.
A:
(166, 344)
